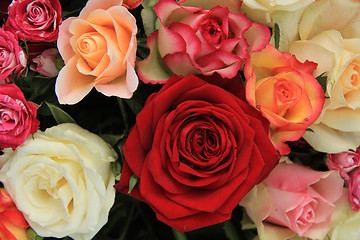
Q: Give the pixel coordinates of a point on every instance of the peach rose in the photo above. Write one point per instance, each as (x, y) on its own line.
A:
(285, 92)
(99, 50)
(294, 200)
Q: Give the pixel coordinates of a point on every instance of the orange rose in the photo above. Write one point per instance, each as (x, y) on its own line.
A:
(13, 225)
(285, 92)
(99, 50)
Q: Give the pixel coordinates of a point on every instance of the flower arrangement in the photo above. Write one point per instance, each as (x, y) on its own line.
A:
(187, 119)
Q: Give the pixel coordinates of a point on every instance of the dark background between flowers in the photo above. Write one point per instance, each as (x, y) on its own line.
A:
(111, 118)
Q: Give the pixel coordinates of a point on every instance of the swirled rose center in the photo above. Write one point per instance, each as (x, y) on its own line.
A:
(307, 215)
(37, 13)
(8, 119)
(92, 47)
(350, 78)
(212, 31)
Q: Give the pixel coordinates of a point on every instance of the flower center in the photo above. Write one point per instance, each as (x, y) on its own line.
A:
(212, 31)
(37, 13)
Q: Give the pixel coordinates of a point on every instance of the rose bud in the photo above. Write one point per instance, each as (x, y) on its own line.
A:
(344, 162)
(45, 63)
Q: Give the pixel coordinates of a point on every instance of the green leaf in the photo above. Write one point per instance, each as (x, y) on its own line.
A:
(132, 182)
(277, 35)
(116, 169)
(33, 235)
(59, 115)
(230, 231)
(322, 81)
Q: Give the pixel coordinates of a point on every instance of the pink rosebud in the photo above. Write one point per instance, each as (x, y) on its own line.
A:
(12, 222)
(35, 20)
(344, 162)
(12, 57)
(354, 189)
(45, 63)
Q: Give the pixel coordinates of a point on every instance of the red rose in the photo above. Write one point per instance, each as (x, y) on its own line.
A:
(18, 117)
(12, 56)
(35, 20)
(197, 150)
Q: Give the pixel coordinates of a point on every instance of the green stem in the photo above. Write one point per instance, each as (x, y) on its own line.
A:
(179, 236)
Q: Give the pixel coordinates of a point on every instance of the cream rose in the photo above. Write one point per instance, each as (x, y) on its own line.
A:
(337, 129)
(285, 13)
(61, 180)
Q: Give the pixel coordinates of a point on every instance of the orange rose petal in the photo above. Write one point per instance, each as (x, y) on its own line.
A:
(301, 112)
(117, 36)
(265, 61)
(264, 94)
(122, 86)
(94, 5)
(70, 91)
(273, 118)
(63, 41)
(121, 16)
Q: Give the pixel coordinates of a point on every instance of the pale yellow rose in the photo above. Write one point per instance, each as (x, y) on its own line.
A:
(337, 129)
(285, 13)
(61, 181)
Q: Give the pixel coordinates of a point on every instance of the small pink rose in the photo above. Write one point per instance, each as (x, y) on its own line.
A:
(294, 199)
(12, 57)
(344, 162)
(45, 63)
(35, 20)
(17, 116)
(194, 40)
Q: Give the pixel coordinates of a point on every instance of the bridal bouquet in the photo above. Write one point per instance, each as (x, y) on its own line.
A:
(188, 119)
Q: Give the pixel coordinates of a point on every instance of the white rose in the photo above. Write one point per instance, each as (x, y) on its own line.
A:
(285, 13)
(337, 129)
(62, 182)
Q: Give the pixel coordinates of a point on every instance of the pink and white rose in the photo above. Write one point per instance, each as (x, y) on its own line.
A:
(17, 116)
(99, 51)
(35, 20)
(12, 56)
(294, 200)
(194, 40)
